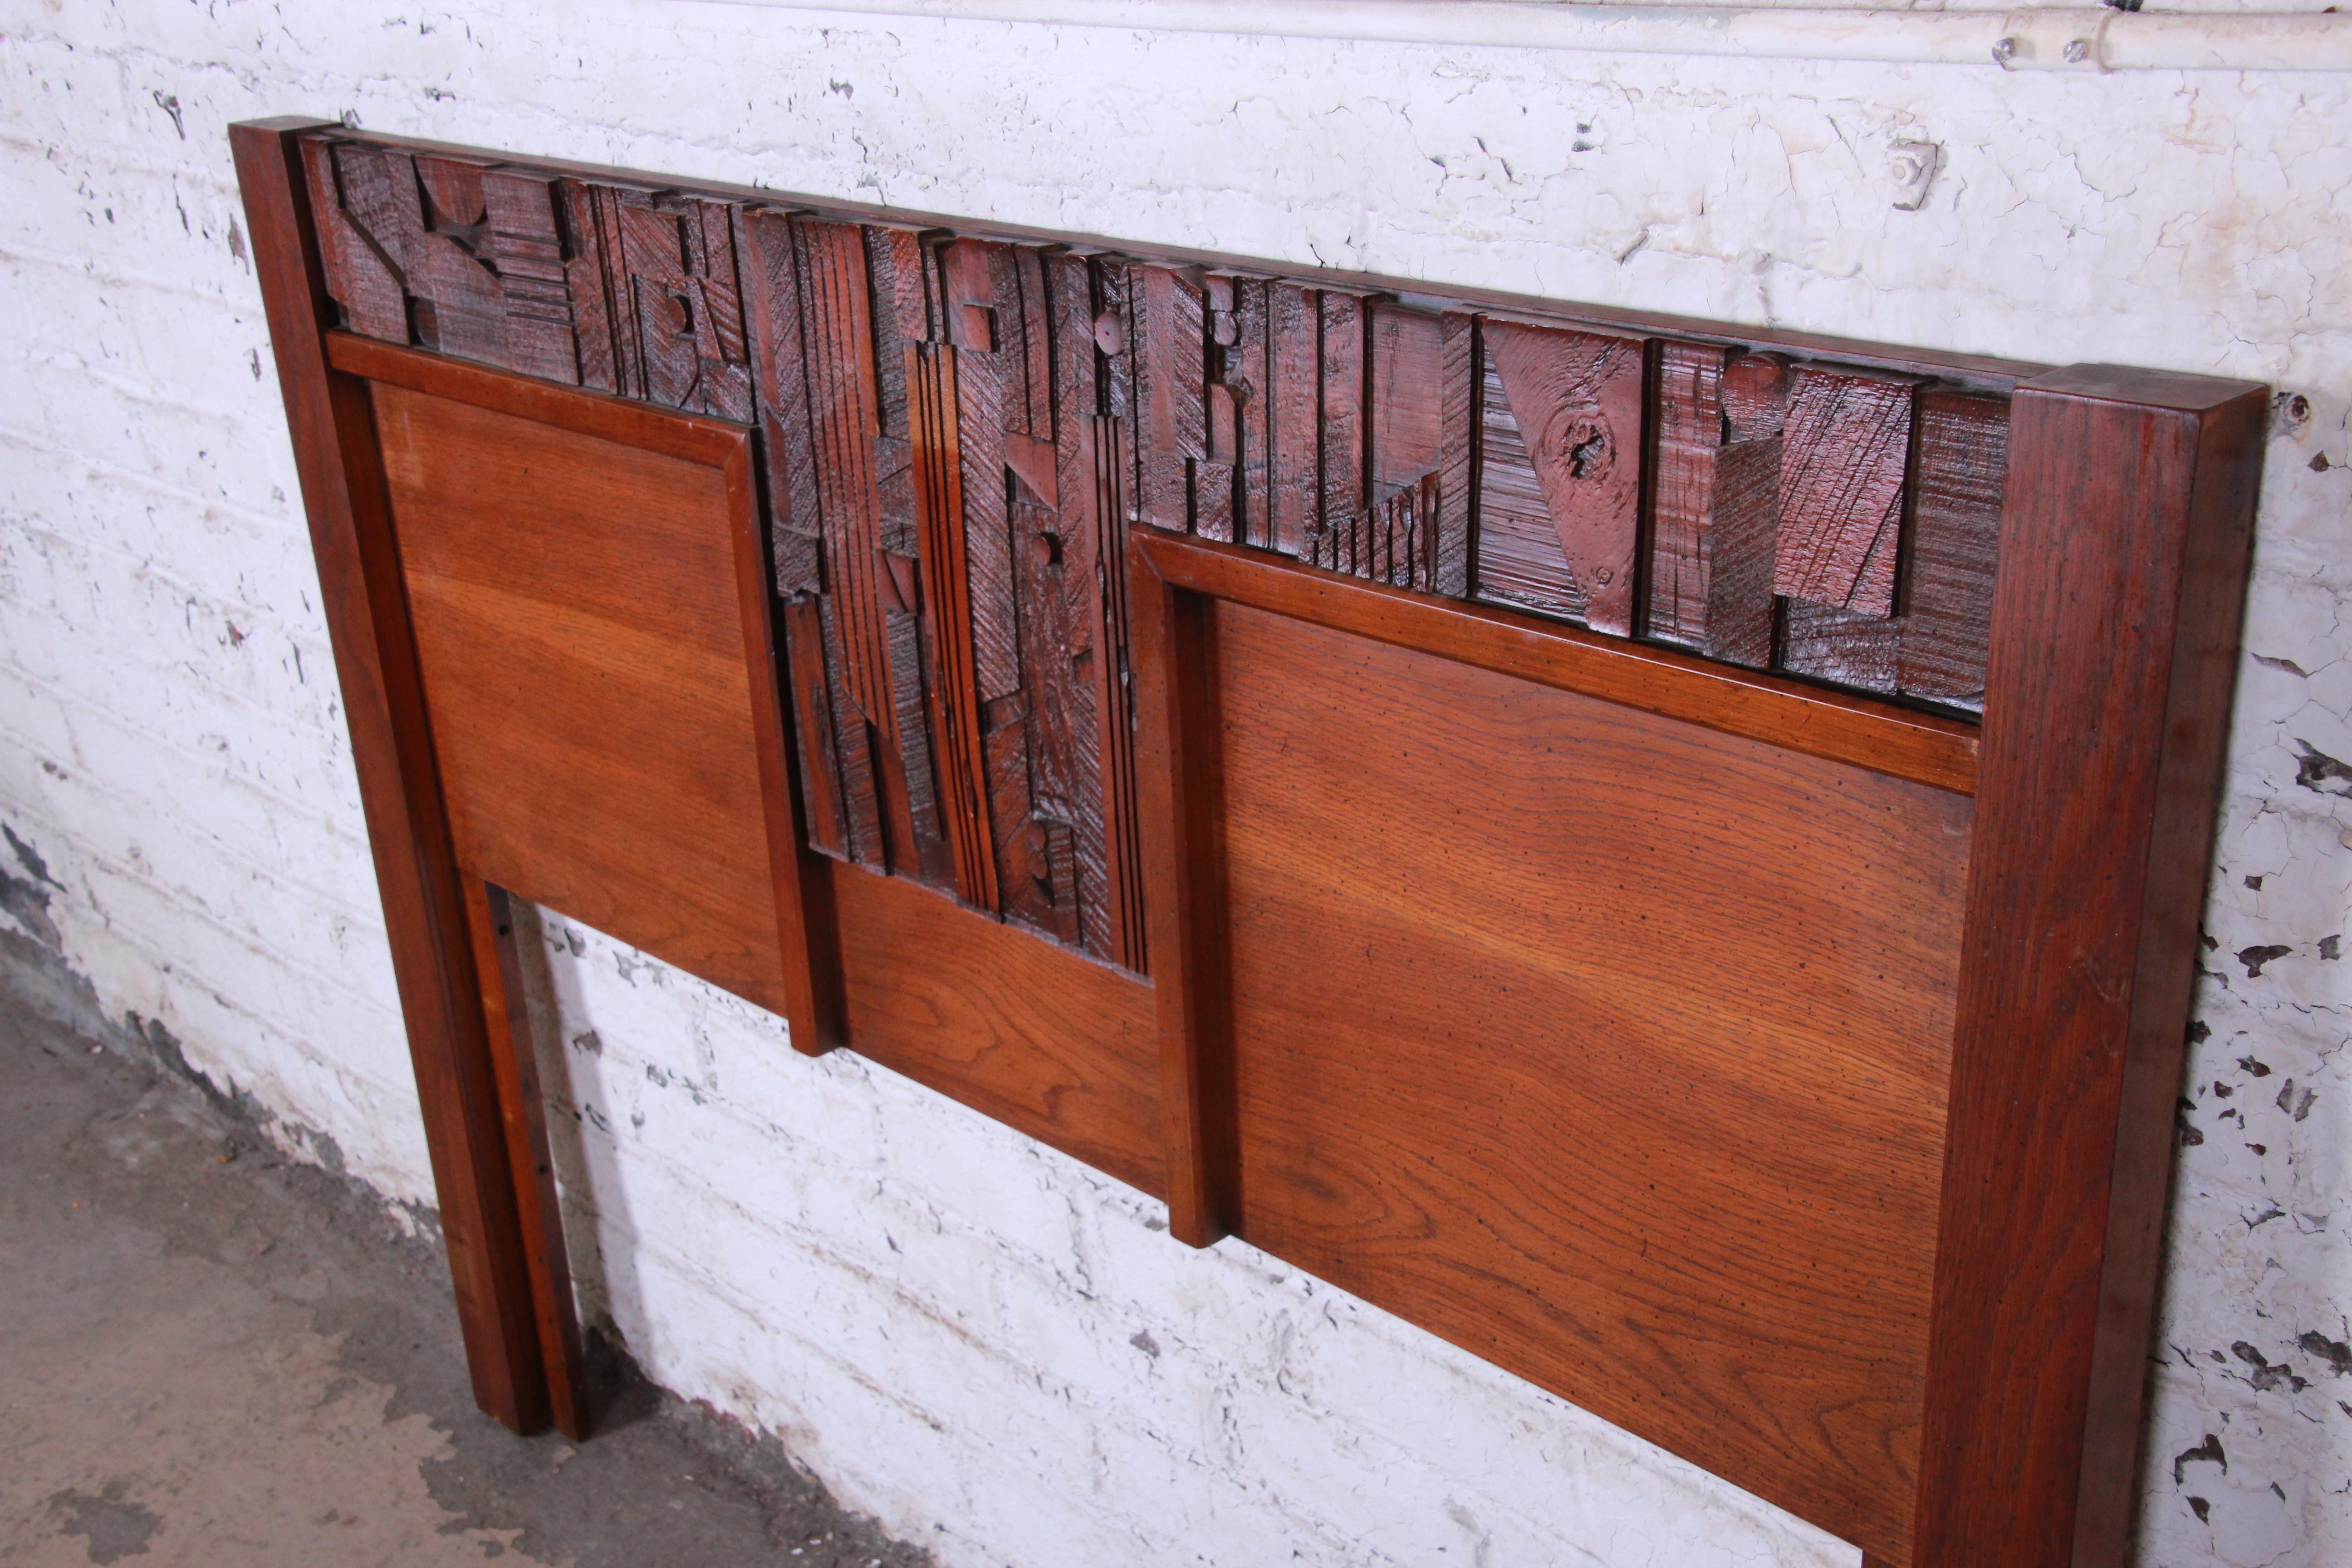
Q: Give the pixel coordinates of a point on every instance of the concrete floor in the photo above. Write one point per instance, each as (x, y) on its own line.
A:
(211, 1356)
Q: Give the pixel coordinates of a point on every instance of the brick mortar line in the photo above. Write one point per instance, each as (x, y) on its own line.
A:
(289, 530)
(273, 797)
(98, 551)
(325, 897)
(114, 928)
(329, 988)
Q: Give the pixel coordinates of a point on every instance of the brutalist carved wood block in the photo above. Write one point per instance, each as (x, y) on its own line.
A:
(1716, 505)
(1560, 493)
(1015, 617)
(1845, 448)
(1934, 646)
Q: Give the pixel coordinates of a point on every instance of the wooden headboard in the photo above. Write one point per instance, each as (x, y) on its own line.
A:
(1666, 854)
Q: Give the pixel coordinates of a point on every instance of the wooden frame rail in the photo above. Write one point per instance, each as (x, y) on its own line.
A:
(1484, 799)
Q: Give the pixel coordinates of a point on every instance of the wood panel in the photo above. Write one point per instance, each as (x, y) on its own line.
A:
(581, 638)
(1631, 1078)
(1905, 743)
(1032, 1034)
(1715, 511)
(960, 695)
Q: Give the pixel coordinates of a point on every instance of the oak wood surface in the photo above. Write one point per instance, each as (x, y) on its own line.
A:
(1033, 1035)
(1610, 1047)
(343, 493)
(582, 642)
(1895, 741)
(2130, 503)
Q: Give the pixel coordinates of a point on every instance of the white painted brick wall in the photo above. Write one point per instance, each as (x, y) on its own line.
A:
(988, 1345)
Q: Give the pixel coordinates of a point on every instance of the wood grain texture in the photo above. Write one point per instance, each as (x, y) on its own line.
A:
(1844, 456)
(1293, 415)
(1343, 328)
(1680, 1168)
(1124, 899)
(1963, 467)
(1234, 433)
(1573, 402)
(2131, 495)
(956, 727)
(1034, 1036)
(1406, 377)
(1903, 744)
(779, 381)
(812, 703)
(1934, 646)
(1239, 321)
(582, 648)
(1715, 507)
(1179, 793)
(1170, 317)
(991, 381)
(1461, 384)
(332, 424)
(361, 274)
(514, 1058)
(842, 402)
(678, 298)
(596, 335)
(858, 749)
(1043, 875)
(1092, 605)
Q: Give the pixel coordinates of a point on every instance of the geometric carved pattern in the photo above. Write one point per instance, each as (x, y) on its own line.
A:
(1846, 444)
(1563, 466)
(956, 433)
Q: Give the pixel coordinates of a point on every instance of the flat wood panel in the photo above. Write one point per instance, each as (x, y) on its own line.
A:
(1040, 1037)
(580, 630)
(1611, 1048)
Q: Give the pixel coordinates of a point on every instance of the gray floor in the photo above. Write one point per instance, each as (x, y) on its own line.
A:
(209, 1356)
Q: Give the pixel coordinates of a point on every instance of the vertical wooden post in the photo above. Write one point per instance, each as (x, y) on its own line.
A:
(514, 1059)
(1178, 804)
(2124, 541)
(807, 931)
(336, 455)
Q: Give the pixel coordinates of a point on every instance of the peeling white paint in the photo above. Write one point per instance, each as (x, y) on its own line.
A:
(947, 1321)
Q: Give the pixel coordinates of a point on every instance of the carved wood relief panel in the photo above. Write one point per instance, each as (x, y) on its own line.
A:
(957, 429)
